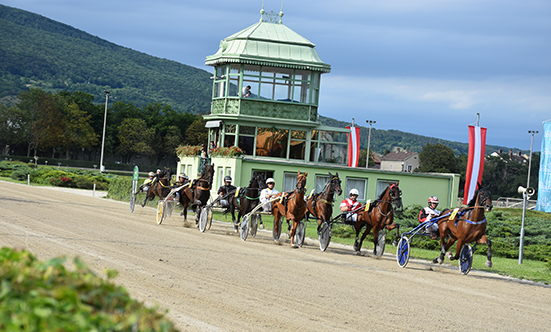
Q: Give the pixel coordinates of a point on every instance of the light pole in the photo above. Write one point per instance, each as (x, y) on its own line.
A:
(524, 198)
(371, 122)
(101, 168)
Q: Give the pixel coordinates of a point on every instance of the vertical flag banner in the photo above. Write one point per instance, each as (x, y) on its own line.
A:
(475, 162)
(544, 185)
(353, 146)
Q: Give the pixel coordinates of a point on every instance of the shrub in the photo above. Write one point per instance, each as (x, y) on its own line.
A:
(188, 150)
(45, 296)
(232, 151)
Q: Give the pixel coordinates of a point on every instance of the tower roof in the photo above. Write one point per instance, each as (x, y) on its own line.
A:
(269, 44)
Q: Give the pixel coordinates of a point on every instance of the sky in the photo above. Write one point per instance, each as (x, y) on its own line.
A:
(427, 67)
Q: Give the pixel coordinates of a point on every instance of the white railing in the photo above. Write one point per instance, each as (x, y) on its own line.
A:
(508, 202)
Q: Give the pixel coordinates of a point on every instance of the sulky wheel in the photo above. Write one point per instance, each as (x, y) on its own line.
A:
(300, 233)
(209, 218)
(402, 252)
(278, 234)
(161, 210)
(169, 207)
(465, 259)
(244, 228)
(381, 244)
(324, 235)
(203, 220)
(254, 224)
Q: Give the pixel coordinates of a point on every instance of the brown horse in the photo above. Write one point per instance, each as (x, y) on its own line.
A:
(320, 205)
(468, 225)
(380, 215)
(292, 207)
(160, 187)
(197, 192)
(246, 200)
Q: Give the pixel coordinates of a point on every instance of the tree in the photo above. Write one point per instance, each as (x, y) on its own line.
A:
(49, 128)
(29, 104)
(437, 158)
(197, 134)
(12, 128)
(134, 137)
(78, 133)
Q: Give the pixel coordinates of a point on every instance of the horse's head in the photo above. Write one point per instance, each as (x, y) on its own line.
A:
(484, 198)
(165, 175)
(301, 182)
(208, 173)
(335, 184)
(395, 196)
(258, 182)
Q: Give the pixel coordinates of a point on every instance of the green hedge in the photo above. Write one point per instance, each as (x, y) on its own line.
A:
(45, 296)
(120, 188)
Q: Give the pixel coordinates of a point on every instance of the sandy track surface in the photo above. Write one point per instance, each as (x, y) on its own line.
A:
(213, 281)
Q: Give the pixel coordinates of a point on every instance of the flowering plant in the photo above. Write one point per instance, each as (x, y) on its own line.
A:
(188, 150)
(232, 151)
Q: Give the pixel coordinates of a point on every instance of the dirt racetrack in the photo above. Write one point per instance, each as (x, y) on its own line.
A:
(213, 281)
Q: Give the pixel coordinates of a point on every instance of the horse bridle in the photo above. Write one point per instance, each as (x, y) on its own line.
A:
(393, 200)
(334, 181)
(483, 197)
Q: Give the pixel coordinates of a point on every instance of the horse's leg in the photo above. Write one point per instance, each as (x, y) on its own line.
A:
(443, 249)
(395, 242)
(368, 228)
(485, 239)
(458, 246)
(293, 230)
(376, 231)
(359, 225)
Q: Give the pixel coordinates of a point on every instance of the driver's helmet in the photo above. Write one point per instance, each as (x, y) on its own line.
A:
(158, 171)
(182, 175)
(151, 174)
(227, 178)
(433, 199)
(354, 191)
(270, 180)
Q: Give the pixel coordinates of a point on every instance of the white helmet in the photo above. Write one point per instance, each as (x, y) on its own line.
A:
(151, 174)
(270, 180)
(354, 191)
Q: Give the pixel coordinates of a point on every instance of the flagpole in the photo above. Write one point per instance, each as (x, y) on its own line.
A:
(477, 119)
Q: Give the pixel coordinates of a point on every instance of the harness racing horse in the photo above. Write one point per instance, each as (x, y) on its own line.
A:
(246, 200)
(468, 225)
(378, 216)
(292, 208)
(159, 187)
(197, 192)
(320, 205)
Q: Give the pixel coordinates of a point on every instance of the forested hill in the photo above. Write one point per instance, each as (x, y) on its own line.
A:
(382, 140)
(38, 52)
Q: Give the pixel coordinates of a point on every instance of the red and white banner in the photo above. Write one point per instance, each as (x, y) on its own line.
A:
(475, 163)
(353, 146)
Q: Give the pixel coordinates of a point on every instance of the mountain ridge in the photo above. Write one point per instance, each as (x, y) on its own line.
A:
(43, 53)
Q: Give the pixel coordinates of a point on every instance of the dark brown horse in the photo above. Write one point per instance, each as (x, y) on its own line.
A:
(160, 187)
(320, 205)
(378, 216)
(292, 206)
(197, 192)
(467, 226)
(247, 198)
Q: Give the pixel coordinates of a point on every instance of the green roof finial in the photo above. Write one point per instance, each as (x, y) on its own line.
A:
(262, 12)
(281, 13)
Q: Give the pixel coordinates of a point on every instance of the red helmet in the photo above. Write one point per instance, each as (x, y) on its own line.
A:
(433, 199)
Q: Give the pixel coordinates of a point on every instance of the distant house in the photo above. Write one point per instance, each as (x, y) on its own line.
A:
(518, 157)
(400, 161)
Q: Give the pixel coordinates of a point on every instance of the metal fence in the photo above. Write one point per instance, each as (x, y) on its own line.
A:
(508, 202)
